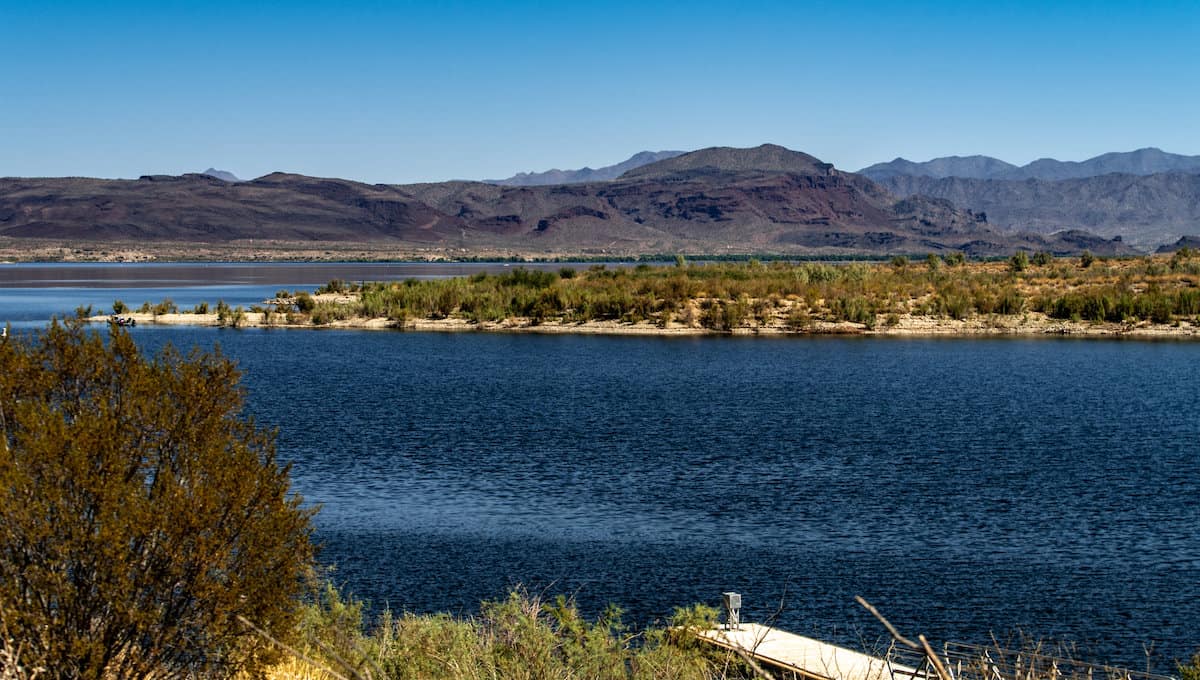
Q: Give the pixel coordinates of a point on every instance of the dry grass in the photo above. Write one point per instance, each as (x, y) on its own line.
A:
(520, 637)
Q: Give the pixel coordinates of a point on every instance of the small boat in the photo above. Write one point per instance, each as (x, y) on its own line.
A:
(123, 321)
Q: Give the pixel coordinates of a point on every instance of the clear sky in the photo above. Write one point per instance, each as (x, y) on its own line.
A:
(402, 92)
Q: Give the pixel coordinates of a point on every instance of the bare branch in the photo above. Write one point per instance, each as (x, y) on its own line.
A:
(934, 659)
(886, 624)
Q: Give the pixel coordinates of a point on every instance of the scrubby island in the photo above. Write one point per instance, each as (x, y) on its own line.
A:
(940, 295)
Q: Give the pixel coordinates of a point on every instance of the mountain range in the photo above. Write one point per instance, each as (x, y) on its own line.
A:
(1146, 161)
(767, 199)
(530, 179)
(1148, 197)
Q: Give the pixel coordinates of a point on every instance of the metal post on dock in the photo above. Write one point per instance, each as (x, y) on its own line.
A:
(733, 611)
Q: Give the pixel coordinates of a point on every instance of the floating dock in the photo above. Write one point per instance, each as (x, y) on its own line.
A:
(801, 657)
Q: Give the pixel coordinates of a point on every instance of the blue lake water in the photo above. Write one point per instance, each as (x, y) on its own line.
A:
(965, 487)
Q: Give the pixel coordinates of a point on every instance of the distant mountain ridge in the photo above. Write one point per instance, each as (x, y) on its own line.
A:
(763, 159)
(766, 199)
(1147, 161)
(721, 199)
(1145, 210)
(222, 174)
(608, 172)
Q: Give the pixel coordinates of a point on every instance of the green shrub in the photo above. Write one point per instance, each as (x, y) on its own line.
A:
(337, 286)
(1042, 258)
(165, 307)
(1019, 262)
(724, 315)
(517, 637)
(200, 308)
(237, 317)
(1010, 302)
(327, 312)
(954, 305)
(1191, 669)
(119, 307)
(1086, 259)
(856, 309)
(305, 303)
(798, 317)
(143, 517)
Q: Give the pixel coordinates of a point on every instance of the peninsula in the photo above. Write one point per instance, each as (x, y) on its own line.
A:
(939, 295)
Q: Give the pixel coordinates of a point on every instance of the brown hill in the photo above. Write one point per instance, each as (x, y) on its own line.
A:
(763, 200)
(201, 208)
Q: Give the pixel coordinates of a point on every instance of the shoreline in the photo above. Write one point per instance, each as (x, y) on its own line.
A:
(1038, 297)
(1029, 324)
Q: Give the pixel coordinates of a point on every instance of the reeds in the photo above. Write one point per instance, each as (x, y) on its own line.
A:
(521, 637)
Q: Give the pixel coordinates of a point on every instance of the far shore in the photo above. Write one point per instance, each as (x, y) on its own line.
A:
(1030, 324)
(1155, 297)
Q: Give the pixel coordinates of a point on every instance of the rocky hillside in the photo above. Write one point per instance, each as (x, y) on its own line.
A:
(1146, 211)
(765, 199)
(201, 208)
(721, 200)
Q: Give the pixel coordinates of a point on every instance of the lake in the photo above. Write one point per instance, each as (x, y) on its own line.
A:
(964, 486)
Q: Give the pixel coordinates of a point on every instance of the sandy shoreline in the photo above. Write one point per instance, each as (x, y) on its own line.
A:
(1030, 324)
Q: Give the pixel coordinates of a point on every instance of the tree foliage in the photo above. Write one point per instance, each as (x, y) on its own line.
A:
(142, 513)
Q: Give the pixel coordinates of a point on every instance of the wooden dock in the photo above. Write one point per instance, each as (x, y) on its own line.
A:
(801, 657)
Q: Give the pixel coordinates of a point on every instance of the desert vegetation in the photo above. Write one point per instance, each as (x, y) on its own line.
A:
(143, 515)
(778, 296)
(519, 636)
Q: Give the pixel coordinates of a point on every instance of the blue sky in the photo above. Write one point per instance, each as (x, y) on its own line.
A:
(403, 92)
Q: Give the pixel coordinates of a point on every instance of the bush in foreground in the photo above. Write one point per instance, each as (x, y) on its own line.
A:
(520, 636)
(1191, 669)
(142, 514)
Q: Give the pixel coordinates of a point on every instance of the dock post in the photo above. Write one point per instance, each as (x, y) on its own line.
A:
(733, 611)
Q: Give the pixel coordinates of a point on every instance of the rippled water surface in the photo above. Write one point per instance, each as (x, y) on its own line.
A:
(963, 486)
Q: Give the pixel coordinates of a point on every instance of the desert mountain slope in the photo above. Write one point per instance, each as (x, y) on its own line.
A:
(978, 167)
(764, 199)
(727, 161)
(1145, 210)
(1146, 161)
(202, 208)
(721, 200)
